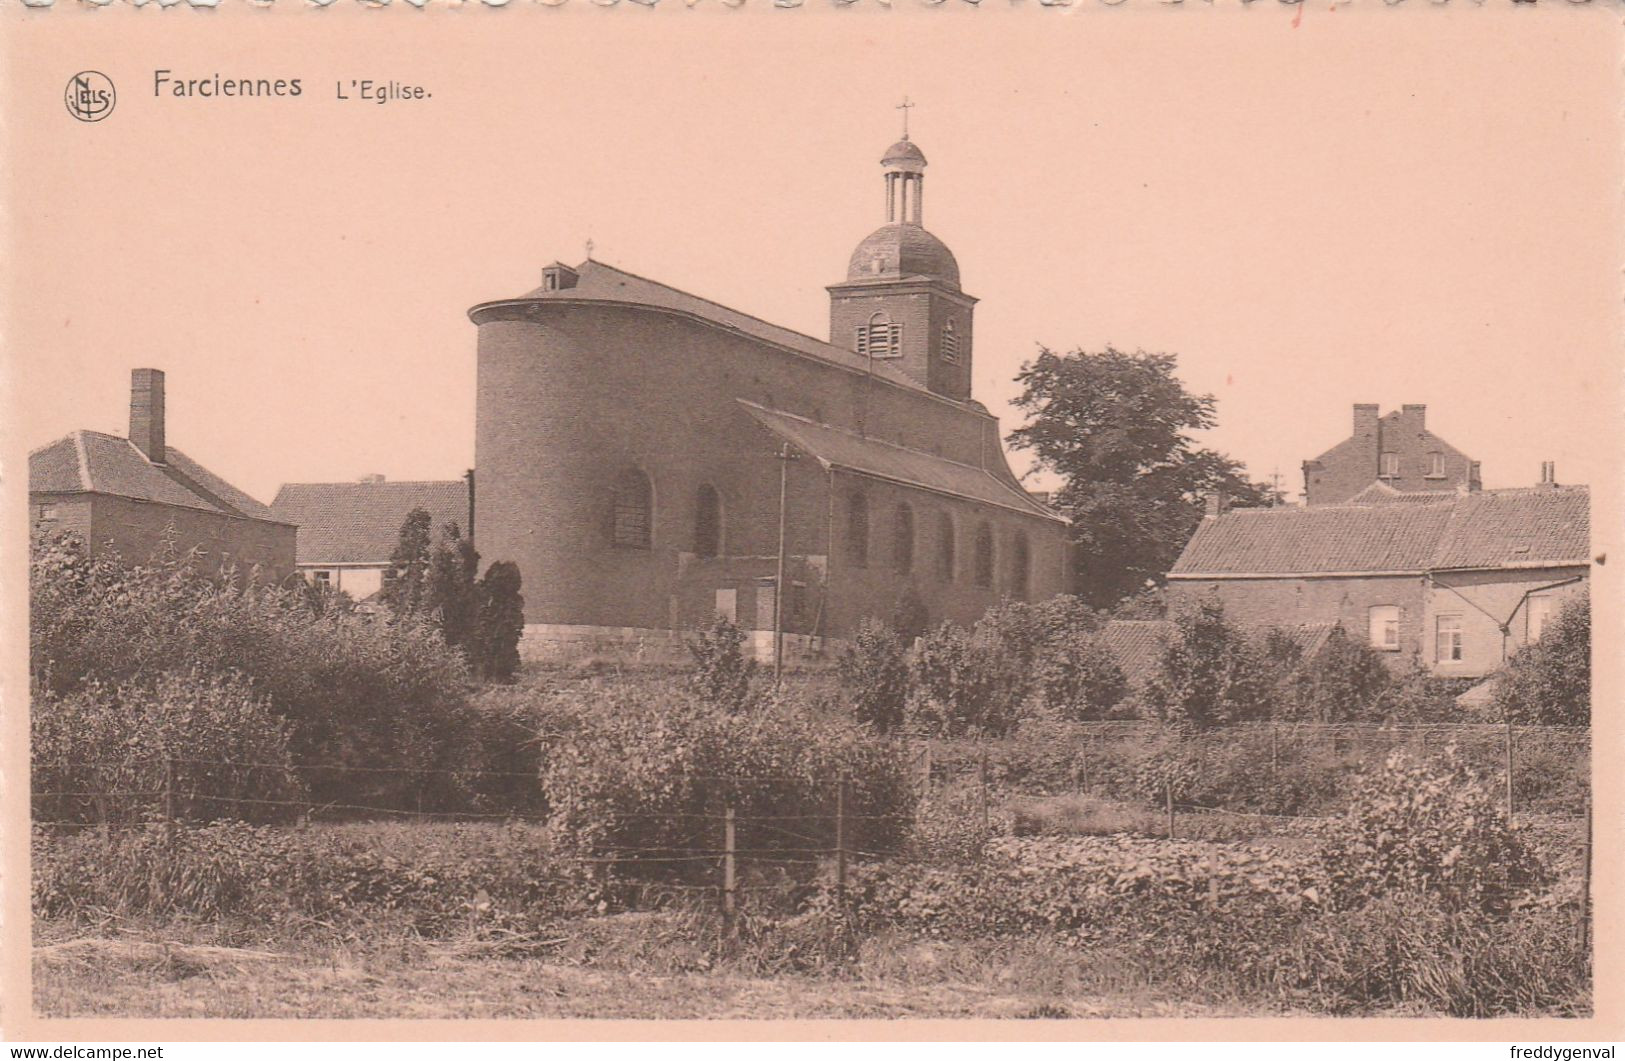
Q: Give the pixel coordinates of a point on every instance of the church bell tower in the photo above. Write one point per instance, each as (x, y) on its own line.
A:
(901, 302)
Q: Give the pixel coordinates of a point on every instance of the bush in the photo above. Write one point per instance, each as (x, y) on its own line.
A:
(1342, 682)
(1433, 828)
(107, 753)
(965, 683)
(723, 675)
(644, 775)
(387, 696)
(1209, 674)
(1077, 677)
(874, 675)
(1548, 682)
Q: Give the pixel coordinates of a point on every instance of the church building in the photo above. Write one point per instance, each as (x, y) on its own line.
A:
(643, 452)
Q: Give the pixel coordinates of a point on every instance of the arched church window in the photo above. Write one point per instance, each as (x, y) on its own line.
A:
(984, 555)
(707, 522)
(950, 344)
(945, 548)
(857, 530)
(881, 337)
(903, 539)
(633, 508)
(1020, 566)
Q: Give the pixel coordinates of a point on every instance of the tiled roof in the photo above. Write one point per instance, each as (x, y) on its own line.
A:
(1137, 644)
(92, 462)
(834, 447)
(605, 283)
(1539, 526)
(1380, 493)
(360, 523)
(1532, 526)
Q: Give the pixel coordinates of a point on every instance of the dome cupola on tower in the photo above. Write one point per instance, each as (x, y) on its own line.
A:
(902, 248)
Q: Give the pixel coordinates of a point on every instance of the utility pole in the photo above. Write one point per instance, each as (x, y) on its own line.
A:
(785, 456)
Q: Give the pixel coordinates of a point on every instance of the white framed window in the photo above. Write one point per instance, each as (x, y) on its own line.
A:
(1435, 465)
(1390, 465)
(322, 578)
(47, 514)
(1448, 647)
(1384, 627)
(1541, 610)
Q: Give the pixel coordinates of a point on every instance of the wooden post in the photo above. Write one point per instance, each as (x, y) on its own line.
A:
(1275, 748)
(1168, 797)
(169, 789)
(840, 843)
(729, 908)
(1585, 887)
(925, 775)
(1509, 769)
(983, 774)
(785, 457)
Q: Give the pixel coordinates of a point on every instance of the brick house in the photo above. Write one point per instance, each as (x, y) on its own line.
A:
(1396, 452)
(137, 496)
(629, 439)
(1457, 583)
(348, 531)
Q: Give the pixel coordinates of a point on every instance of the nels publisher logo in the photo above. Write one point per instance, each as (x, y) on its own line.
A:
(90, 96)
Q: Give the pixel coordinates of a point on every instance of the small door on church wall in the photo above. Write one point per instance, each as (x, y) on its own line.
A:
(728, 604)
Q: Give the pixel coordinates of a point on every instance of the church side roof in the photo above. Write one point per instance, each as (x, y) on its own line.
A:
(598, 282)
(1137, 645)
(93, 462)
(834, 447)
(360, 523)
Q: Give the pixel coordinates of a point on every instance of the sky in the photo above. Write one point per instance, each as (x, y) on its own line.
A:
(1310, 208)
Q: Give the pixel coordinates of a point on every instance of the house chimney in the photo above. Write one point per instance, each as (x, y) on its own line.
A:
(1365, 420)
(1548, 473)
(1218, 503)
(147, 413)
(1414, 417)
(1475, 482)
(371, 477)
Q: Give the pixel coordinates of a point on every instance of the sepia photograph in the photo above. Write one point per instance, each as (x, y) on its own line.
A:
(532, 516)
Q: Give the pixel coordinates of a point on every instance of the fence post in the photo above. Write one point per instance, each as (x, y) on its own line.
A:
(728, 897)
(1168, 796)
(169, 789)
(1509, 769)
(983, 774)
(1275, 749)
(1585, 887)
(840, 843)
(926, 775)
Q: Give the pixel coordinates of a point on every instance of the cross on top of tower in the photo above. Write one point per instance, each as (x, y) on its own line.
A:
(905, 107)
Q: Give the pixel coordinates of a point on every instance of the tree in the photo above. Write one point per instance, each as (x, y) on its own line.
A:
(874, 675)
(1114, 426)
(723, 675)
(1209, 674)
(410, 562)
(450, 594)
(1078, 677)
(501, 621)
(1548, 682)
(1342, 682)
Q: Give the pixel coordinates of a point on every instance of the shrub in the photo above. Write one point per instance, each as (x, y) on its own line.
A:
(1415, 694)
(113, 752)
(1077, 677)
(909, 617)
(1548, 682)
(644, 775)
(356, 691)
(723, 675)
(874, 675)
(965, 683)
(1431, 827)
(1342, 682)
(500, 622)
(1209, 674)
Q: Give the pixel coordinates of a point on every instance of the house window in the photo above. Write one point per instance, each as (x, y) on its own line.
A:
(1449, 639)
(857, 530)
(390, 574)
(1390, 465)
(1435, 465)
(950, 344)
(322, 579)
(903, 539)
(880, 337)
(46, 514)
(945, 548)
(630, 517)
(707, 522)
(984, 555)
(1384, 620)
(1020, 565)
(1541, 610)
